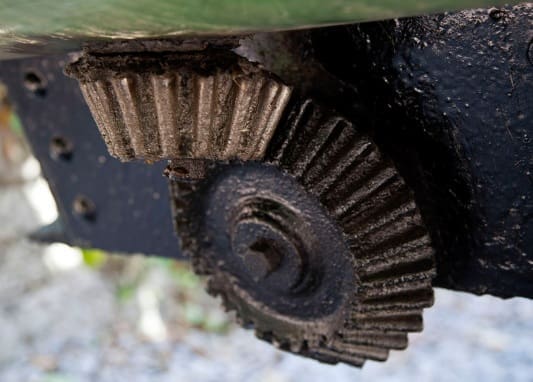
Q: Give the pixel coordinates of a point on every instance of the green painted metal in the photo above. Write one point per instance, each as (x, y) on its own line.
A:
(26, 22)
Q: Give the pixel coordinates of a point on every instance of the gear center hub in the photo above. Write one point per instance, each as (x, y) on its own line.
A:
(273, 256)
(280, 246)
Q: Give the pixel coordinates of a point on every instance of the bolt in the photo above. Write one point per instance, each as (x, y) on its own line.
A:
(260, 259)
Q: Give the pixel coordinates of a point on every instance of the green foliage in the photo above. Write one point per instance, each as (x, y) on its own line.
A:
(216, 324)
(15, 124)
(194, 307)
(184, 277)
(194, 298)
(126, 292)
(93, 258)
(56, 377)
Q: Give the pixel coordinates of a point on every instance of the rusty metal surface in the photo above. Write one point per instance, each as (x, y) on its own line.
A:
(211, 104)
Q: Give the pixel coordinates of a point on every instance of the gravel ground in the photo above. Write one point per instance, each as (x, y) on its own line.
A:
(139, 319)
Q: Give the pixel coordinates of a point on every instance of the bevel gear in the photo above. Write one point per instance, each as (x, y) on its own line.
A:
(209, 104)
(321, 247)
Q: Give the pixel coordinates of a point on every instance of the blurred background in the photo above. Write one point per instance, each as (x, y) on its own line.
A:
(70, 314)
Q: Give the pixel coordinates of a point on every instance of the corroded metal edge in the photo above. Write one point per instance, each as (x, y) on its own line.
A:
(205, 105)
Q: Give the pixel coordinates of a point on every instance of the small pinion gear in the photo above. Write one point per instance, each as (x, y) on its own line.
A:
(205, 105)
(320, 248)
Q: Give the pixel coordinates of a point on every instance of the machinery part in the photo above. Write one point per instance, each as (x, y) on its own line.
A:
(322, 250)
(414, 85)
(205, 105)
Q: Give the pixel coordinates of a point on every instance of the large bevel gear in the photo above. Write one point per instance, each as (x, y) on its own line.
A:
(320, 248)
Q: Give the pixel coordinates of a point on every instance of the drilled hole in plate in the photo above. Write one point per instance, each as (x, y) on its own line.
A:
(35, 82)
(61, 148)
(84, 207)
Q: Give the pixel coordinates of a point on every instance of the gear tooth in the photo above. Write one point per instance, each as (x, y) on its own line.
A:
(134, 96)
(330, 160)
(214, 293)
(362, 351)
(102, 110)
(290, 343)
(332, 175)
(241, 320)
(227, 305)
(212, 287)
(311, 150)
(263, 334)
(227, 309)
(383, 339)
(413, 300)
(333, 357)
(106, 107)
(417, 259)
(400, 322)
(323, 153)
(371, 246)
(286, 137)
(167, 110)
(297, 346)
(384, 202)
(320, 141)
(402, 281)
(281, 344)
(200, 268)
(394, 220)
(382, 314)
(419, 248)
(408, 267)
(400, 285)
(360, 185)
